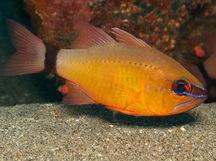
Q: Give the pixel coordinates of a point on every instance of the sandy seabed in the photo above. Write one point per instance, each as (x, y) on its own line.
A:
(61, 132)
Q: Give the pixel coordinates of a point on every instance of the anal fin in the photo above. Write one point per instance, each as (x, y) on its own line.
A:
(75, 96)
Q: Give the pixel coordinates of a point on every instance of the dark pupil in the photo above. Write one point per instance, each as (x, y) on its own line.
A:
(181, 87)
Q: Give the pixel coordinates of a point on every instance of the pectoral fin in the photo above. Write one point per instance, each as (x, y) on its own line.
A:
(75, 96)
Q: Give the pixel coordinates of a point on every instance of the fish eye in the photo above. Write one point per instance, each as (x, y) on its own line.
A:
(181, 87)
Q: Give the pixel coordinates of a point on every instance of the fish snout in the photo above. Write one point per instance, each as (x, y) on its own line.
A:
(199, 92)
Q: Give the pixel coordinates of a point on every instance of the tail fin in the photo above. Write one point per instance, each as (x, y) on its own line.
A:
(30, 54)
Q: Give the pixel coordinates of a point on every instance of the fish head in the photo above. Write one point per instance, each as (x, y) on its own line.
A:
(183, 92)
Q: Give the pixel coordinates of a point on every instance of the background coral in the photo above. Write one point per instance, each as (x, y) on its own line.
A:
(157, 22)
(53, 20)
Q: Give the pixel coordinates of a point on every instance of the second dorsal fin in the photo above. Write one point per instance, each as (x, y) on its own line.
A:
(89, 36)
(125, 37)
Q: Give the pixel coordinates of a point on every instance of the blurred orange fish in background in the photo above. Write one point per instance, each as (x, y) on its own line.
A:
(206, 70)
(127, 76)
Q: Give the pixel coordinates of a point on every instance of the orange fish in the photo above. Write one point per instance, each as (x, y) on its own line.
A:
(126, 76)
(206, 70)
(210, 63)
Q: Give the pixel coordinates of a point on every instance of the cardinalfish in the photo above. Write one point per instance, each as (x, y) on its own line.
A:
(126, 76)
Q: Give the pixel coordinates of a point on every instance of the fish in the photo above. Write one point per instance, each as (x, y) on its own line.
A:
(125, 75)
(205, 70)
(210, 63)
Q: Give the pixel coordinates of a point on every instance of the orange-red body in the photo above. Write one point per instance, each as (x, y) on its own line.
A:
(130, 79)
(126, 76)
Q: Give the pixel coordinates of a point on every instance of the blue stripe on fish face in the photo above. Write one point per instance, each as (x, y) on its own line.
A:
(193, 95)
(182, 104)
(198, 96)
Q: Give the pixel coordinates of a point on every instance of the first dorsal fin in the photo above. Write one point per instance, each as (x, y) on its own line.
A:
(125, 37)
(89, 36)
(75, 96)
